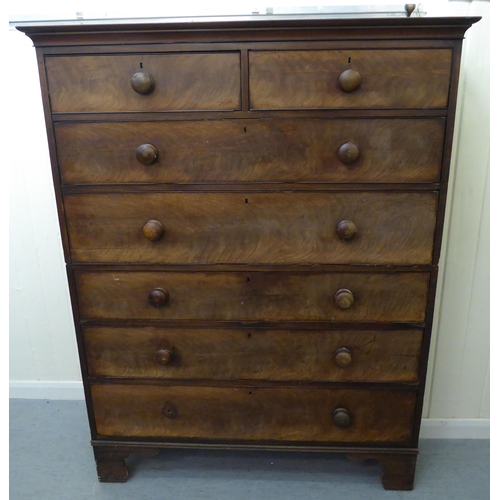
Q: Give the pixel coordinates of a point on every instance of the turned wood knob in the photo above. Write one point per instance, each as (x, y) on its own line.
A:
(346, 229)
(158, 297)
(163, 356)
(146, 154)
(343, 357)
(169, 410)
(344, 298)
(142, 83)
(349, 80)
(409, 8)
(341, 418)
(348, 153)
(153, 230)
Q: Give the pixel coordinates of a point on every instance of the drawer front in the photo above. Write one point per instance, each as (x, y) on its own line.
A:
(181, 82)
(246, 354)
(389, 79)
(306, 150)
(391, 228)
(285, 414)
(253, 296)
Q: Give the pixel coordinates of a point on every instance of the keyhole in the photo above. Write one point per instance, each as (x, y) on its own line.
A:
(246, 200)
(249, 393)
(349, 61)
(249, 335)
(248, 280)
(244, 129)
(140, 64)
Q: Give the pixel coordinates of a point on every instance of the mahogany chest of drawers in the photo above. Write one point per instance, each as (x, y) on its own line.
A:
(251, 214)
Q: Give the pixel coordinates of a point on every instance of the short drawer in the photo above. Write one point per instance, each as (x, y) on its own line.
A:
(178, 82)
(311, 79)
(306, 150)
(249, 353)
(258, 228)
(277, 414)
(252, 296)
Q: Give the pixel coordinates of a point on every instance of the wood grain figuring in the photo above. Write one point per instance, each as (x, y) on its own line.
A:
(259, 150)
(287, 414)
(225, 354)
(257, 296)
(252, 228)
(182, 82)
(309, 79)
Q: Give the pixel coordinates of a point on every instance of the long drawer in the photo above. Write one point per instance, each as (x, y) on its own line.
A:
(307, 79)
(163, 82)
(249, 353)
(264, 150)
(281, 414)
(252, 296)
(258, 228)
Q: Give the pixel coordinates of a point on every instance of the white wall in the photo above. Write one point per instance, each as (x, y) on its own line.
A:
(42, 342)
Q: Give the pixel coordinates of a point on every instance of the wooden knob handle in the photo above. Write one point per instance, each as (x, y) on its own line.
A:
(158, 297)
(146, 154)
(343, 357)
(349, 80)
(344, 298)
(409, 8)
(142, 83)
(163, 356)
(346, 229)
(348, 153)
(341, 418)
(170, 410)
(153, 230)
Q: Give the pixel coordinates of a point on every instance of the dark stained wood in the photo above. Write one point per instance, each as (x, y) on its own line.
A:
(292, 268)
(263, 150)
(288, 414)
(271, 296)
(110, 465)
(142, 83)
(346, 230)
(426, 345)
(383, 356)
(309, 79)
(349, 80)
(343, 357)
(254, 29)
(153, 230)
(311, 376)
(245, 188)
(110, 461)
(161, 116)
(344, 298)
(162, 356)
(348, 153)
(146, 154)
(342, 418)
(158, 297)
(398, 468)
(448, 143)
(182, 82)
(253, 228)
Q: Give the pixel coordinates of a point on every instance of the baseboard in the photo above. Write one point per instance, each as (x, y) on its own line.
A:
(432, 428)
(455, 428)
(35, 389)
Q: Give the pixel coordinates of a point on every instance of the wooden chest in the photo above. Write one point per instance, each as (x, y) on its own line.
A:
(251, 214)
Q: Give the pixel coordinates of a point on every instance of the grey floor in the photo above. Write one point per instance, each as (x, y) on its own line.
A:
(51, 459)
